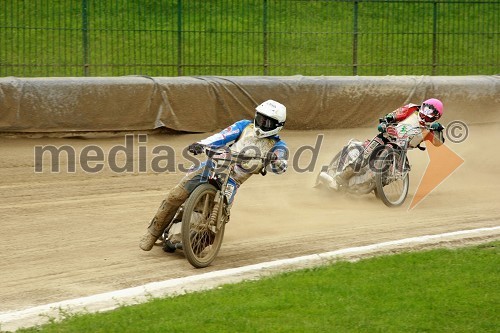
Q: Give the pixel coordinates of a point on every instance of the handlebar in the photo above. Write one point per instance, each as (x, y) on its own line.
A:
(231, 155)
(226, 155)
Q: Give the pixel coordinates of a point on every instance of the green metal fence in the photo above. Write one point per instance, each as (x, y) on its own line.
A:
(248, 37)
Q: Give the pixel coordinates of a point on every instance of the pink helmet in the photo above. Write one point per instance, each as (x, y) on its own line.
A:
(430, 110)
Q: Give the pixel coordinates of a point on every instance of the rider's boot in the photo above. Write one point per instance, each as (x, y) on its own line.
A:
(165, 213)
(343, 177)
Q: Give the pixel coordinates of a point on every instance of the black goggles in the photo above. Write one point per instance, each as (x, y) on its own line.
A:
(266, 123)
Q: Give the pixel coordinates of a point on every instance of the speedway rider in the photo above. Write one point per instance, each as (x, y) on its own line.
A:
(258, 136)
(425, 116)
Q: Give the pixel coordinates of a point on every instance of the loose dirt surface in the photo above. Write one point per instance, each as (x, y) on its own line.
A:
(72, 234)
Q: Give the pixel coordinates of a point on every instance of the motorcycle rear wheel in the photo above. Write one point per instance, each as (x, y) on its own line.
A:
(200, 240)
(391, 188)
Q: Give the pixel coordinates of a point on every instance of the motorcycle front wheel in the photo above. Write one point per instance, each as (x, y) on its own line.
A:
(200, 240)
(391, 184)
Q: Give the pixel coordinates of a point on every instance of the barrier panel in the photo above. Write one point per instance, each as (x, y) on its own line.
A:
(205, 104)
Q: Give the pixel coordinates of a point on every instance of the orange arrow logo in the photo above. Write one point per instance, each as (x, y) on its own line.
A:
(442, 163)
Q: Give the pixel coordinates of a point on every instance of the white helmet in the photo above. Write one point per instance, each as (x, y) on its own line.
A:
(269, 118)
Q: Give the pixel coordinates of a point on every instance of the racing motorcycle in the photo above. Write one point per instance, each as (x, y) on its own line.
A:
(379, 165)
(198, 225)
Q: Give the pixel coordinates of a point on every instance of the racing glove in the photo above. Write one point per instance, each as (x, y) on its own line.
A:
(436, 127)
(382, 127)
(389, 118)
(277, 165)
(196, 148)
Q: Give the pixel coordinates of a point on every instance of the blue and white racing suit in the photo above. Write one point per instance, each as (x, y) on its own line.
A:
(241, 137)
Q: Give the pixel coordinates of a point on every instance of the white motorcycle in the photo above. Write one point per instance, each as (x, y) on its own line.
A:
(379, 165)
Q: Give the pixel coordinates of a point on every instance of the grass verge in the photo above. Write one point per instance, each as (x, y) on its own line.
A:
(443, 290)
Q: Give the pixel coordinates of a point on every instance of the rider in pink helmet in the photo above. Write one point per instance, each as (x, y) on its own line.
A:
(424, 116)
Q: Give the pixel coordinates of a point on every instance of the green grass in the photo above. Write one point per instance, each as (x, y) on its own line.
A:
(224, 37)
(432, 291)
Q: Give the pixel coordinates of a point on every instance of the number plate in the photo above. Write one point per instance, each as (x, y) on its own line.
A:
(229, 191)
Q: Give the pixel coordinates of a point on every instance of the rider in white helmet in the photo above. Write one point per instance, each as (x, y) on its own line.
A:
(259, 136)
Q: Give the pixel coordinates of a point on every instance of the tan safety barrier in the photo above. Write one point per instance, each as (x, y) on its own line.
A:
(205, 104)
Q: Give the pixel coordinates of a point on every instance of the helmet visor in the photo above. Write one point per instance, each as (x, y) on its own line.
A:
(265, 123)
(429, 113)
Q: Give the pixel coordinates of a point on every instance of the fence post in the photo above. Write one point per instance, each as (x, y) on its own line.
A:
(265, 40)
(355, 40)
(179, 38)
(85, 38)
(434, 38)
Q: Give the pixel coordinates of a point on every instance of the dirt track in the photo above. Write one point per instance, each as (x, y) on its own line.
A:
(67, 235)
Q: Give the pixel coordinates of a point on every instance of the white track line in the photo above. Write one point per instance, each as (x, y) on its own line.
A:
(13, 320)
